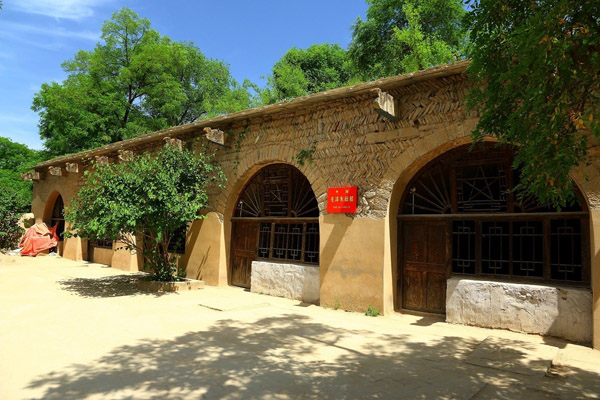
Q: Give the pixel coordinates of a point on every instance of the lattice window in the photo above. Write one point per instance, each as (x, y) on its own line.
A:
(280, 199)
(251, 202)
(565, 240)
(280, 241)
(431, 193)
(103, 243)
(496, 231)
(311, 248)
(463, 247)
(528, 248)
(276, 186)
(303, 201)
(278, 191)
(495, 248)
(294, 244)
(481, 188)
(264, 240)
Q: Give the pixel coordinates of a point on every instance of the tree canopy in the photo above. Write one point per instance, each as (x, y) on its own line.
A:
(304, 71)
(534, 76)
(535, 69)
(133, 82)
(14, 159)
(150, 196)
(400, 36)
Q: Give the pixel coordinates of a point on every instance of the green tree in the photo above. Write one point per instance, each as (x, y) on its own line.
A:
(16, 158)
(149, 197)
(133, 82)
(304, 71)
(407, 35)
(535, 72)
(15, 194)
(10, 232)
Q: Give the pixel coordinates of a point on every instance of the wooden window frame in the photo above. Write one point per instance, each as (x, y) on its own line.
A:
(282, 221)
(451, 163)
(297, 201)
(103, 243)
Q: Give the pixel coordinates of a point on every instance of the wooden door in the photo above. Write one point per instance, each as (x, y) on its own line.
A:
(424, 265)
(244, 245)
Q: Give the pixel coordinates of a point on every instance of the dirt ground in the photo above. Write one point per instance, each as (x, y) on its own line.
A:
(73, 330)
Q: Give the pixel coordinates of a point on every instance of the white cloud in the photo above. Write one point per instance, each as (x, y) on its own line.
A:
(11, 27)
(67, 9)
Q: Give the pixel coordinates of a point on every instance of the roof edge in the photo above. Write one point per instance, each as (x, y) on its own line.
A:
(298, 102)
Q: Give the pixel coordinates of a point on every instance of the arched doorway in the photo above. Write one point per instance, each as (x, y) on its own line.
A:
(275, 218)
(58, 218)
(459, 217)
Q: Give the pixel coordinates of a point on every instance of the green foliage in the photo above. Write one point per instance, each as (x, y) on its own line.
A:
(16, 158)
(304, 71)
(10, 213)
(404, 36)
(150, 197)
(336, 305)
(372, 312)
(306, 155)
(535, 72)
(15, 193)
(133, 82)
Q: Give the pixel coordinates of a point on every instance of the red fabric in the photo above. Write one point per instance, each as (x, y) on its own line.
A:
(37, 239)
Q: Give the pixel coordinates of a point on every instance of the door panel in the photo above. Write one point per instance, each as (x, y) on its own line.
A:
(245, 239)
(415, 250)
(436, 292)
(436, 244)
(424, 266)
(414, 293)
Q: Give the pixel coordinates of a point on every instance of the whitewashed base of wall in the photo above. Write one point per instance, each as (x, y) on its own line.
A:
(292, 281)
(564, 312)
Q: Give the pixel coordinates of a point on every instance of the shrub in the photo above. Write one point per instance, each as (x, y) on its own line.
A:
(11, 207)
(148, 197)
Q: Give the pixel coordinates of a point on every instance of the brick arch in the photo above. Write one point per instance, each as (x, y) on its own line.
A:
(252, 161)
(398, 176)
(239, 177)
(402, 171)
(587, 179)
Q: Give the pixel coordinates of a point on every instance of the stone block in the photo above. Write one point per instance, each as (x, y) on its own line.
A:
(547, 310)
(292, 281)
(154, 286)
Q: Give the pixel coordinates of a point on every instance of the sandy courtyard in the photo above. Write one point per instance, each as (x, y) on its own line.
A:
(73, 330)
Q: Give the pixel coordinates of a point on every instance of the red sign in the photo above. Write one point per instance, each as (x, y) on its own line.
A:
(341, 199)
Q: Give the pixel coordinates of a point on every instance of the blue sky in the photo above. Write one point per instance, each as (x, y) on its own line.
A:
(36, 36)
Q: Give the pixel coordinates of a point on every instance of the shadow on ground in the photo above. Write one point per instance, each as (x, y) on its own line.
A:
(291, 356)
(110, 286)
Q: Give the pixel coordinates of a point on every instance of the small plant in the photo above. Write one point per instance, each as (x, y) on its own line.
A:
(261, 292)
(372, 312)
(306, 155)
(336, 305)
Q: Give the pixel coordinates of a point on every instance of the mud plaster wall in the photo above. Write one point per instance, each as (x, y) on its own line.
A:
(353, 145)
